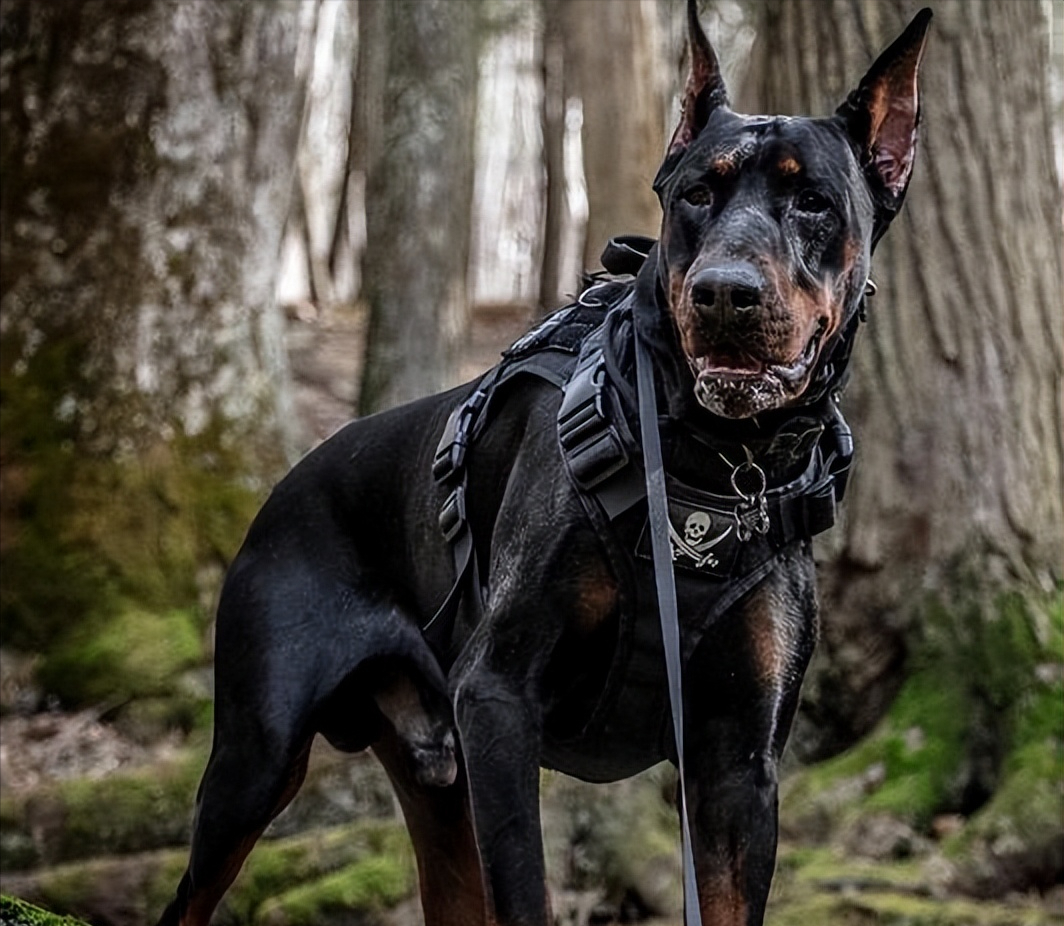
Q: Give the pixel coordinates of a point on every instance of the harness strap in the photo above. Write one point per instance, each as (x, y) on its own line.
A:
(441, 624)
(665, 582)
(465, 423)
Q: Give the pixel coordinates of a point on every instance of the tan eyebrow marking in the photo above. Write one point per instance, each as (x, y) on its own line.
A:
(723, 165)
(788, 166)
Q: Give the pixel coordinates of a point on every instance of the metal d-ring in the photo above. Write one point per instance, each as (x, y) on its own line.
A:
(751, 514)
(752, 467)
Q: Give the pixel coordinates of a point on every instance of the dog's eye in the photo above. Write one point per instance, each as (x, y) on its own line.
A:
(813, 202)
(698, 196)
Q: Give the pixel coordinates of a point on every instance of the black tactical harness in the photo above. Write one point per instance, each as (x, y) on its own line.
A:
(577, 350)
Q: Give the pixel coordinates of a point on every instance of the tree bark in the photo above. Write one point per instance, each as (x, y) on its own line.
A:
(417, 77)
(612, 62)
(955, 396)
(147, 160)
(147, 164)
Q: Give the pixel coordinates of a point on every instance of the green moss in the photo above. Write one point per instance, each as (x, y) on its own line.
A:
(373, 862)
(368, 886)
(971, 719)
(921, 748)
(15, 912)
(132, 811)
(96, 525)
(279, 866)
(1026, 810)
(130, 654)
(824, 886)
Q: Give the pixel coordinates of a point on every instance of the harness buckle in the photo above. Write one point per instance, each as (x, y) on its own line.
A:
(591, 443)
(843, 438)
(453, 513)
(451, 450)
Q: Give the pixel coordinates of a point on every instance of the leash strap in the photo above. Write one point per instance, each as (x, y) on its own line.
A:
(665, 581)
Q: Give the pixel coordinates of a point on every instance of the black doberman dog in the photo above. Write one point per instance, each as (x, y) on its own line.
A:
(547, 649)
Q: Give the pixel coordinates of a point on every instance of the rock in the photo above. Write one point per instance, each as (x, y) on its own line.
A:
(883, 837)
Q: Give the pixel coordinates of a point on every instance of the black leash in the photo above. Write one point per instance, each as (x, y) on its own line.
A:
(665, 581)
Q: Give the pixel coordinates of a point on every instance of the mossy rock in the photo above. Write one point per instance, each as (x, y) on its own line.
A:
(15, 912)
(119, 891)
(130, 654)
(147, 808)
(358, 893)
(314, 872)
(976, 729)
(367, 866)
(814, 886)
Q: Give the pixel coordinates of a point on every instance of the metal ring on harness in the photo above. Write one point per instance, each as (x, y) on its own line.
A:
(749, 466)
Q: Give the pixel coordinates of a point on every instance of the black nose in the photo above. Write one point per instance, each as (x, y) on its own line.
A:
(717, 291)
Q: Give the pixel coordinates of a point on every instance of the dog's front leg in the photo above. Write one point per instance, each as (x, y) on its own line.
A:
(741, 698)
(499, 723)
(733, 821)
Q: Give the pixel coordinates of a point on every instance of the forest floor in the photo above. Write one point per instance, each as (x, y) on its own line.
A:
(821, 884)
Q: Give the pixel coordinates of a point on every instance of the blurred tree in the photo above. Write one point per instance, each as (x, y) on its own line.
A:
(417, 78)
(553, 129)
(147, 160)
(955, 502)
(608, 54)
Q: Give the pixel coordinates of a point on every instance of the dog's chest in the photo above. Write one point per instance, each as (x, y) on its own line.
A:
(612, 720)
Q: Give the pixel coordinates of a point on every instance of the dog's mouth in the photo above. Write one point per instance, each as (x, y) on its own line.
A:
(741, 385)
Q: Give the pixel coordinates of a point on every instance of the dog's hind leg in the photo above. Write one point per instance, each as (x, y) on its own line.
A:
(291, 644)
(262, 734)
(441, 827)
(234, 808)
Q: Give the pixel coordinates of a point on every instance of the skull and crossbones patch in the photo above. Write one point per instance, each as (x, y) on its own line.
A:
(698, 540)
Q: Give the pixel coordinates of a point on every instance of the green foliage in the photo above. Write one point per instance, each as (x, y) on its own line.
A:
(15, 912)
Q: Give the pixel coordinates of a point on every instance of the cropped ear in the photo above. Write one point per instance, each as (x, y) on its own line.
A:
(882, 114)
(704, 91)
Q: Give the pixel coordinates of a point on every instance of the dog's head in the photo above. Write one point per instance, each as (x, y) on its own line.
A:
(770, 224)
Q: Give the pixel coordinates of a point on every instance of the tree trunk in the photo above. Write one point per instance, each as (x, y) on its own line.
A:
(553, 129)
(417, 77)
(955, 396)
(147, 160)
(613, 63)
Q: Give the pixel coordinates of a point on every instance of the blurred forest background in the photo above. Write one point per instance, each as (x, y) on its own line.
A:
(225, 228)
